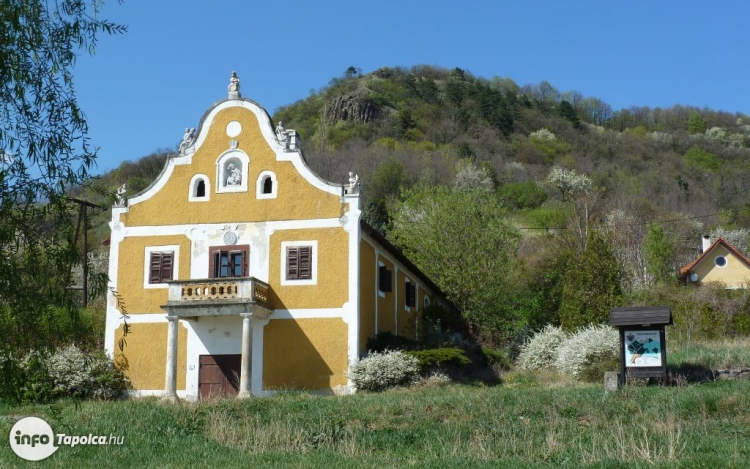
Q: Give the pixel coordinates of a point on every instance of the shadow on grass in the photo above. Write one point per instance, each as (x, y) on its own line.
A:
(689, 373)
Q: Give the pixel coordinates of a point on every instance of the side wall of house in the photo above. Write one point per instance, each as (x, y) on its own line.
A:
(386, 311)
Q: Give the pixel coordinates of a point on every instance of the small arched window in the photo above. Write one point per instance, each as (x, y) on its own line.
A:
(200, 188)
(266, 186)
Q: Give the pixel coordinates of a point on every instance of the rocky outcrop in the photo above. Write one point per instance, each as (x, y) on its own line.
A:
(355, 106)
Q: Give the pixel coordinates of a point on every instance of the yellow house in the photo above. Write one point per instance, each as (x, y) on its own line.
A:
(240, 271)
(719, 262)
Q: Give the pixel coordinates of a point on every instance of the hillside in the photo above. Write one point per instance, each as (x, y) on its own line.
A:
(683, 170)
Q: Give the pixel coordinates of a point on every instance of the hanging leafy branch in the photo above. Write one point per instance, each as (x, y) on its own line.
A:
(44, 151)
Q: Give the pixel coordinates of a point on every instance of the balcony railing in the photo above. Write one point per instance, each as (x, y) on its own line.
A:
(221, 296)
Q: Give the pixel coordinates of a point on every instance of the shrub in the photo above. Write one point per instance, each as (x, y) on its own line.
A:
(75, 373)
(497, 358)
(541, 350)
(588, 353)
(383, 370)
(388, 341)
(439, 357)
(37, 383)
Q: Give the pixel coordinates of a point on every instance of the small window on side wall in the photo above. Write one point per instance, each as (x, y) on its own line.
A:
(385, 279)
(411, 294)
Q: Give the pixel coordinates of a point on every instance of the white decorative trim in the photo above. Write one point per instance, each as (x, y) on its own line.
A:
(222, 167)
(317, 313)
(313, 267)
(377, 279)
(147, 261)
(407, 281)
(259, 185)
(194, 187)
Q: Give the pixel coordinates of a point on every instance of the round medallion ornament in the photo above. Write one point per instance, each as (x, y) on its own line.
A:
(230, 237)
(233, 129)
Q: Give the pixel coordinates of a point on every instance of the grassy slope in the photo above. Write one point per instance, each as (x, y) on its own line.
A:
(454, 426)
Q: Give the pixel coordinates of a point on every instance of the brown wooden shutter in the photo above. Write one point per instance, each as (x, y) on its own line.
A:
(384, 279)
(292, 263)
(155, 267)
(305, 263)
(167, 261)
(411, 294)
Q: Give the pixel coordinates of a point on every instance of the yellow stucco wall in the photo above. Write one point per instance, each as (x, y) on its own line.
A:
(734, 274)
(332, 287)
(145, 355)
(386, 306)
(131, 272)
(305, 354)
(296, 199)
(367, 287)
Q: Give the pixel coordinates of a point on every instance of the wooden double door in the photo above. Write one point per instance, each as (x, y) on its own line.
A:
(219, 375)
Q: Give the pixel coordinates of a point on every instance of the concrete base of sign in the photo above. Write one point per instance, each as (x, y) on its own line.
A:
(611, 381)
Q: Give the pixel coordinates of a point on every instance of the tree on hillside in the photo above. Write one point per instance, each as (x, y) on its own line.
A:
(659, 251)
(460, 238)
(591, 286)
(45, 152)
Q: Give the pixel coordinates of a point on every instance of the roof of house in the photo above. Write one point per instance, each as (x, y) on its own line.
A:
(686, 269)
(396, 252)
(640, 315)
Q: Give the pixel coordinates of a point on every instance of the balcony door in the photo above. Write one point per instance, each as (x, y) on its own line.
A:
(228, 261)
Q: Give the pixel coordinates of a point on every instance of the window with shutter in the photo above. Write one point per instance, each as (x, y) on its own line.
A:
(299, 263)
(411, 294)
(161, 266)
(228, 261)
(385, 283)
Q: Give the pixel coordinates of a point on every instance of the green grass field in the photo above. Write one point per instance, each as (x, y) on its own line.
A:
(532, 419)
(518, 424)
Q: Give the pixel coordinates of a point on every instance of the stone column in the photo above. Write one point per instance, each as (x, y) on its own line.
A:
(170, 388)
(246, 356)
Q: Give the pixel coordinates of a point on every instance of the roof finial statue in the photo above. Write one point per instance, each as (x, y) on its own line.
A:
(187, 140)
(234, 86)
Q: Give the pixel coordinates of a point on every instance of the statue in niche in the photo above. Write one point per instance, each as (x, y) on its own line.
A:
(234, 85)
(235, 175)
(187, 140)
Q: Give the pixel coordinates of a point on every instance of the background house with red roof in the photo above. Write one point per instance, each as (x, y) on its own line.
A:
(719, 262)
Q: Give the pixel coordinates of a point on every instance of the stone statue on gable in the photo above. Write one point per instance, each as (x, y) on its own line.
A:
(187, 140)
(234, 86)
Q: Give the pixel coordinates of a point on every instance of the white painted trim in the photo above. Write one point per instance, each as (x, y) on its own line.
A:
(146, 264)
(313, 267)
(408, 280)
(222, 161)
(318, 313)
(259, 185)
(192, 188)
(167, 230)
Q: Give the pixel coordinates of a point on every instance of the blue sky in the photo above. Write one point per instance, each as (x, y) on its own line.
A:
(143, 88)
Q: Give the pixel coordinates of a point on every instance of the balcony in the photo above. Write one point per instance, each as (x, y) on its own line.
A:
(191, 299)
